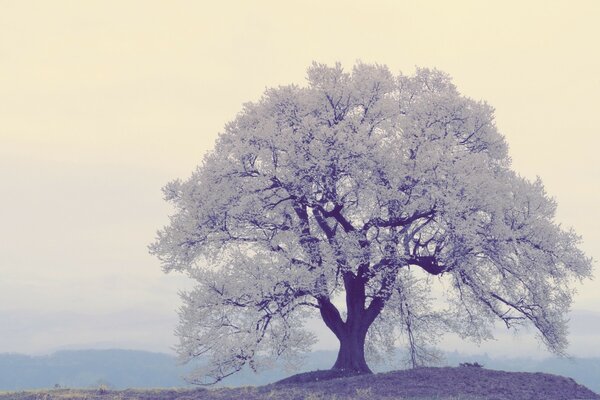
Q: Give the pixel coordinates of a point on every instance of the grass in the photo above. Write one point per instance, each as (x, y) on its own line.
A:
(462, 383)
(226, 394)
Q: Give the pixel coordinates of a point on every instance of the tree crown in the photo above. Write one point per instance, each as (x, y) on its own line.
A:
(367, 185)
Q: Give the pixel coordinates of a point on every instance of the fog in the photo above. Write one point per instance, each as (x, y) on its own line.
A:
(102, 103)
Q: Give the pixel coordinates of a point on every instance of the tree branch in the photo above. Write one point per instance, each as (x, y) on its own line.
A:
(307, 241)
(329, 232)
(396, 222)
(336, 213)
(429, 264)
(331, 316)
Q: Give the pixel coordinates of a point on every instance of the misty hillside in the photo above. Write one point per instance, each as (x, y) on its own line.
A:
(89, 368)
(120, 369)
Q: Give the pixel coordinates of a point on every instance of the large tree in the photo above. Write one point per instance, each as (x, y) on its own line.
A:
(353, 197)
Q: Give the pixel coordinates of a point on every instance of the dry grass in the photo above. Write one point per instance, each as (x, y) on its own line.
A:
(419, 384)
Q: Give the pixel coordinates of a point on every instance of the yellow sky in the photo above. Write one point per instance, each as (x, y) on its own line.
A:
(102, 102)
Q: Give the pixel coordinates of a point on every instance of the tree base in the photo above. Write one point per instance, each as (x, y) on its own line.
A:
(318, 376)
(352, 370)
(351, 358)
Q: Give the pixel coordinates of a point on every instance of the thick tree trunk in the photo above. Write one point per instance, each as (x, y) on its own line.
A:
(351, 356)
(352, 332)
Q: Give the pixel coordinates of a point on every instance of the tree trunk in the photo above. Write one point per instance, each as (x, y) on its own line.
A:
(351, 356)
(352, 332)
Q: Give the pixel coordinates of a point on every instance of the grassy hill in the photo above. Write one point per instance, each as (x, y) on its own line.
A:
(456, 383)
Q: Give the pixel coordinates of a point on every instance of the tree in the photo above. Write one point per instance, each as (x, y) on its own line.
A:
(353, 197)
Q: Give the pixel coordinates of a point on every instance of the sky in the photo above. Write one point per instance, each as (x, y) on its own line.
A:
(104, 102)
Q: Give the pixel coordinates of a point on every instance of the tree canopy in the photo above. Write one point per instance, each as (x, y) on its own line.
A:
(349, 198)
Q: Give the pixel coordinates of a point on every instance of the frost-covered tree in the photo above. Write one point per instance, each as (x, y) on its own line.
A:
(352, 197)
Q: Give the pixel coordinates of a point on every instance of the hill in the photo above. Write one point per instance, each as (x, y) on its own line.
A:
(122, 369)
(88, 368)
(464, 383)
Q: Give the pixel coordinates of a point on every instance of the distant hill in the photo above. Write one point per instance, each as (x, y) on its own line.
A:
(89, 368)
(120, 369)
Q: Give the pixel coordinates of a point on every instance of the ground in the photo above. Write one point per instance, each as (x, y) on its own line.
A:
(447, 383)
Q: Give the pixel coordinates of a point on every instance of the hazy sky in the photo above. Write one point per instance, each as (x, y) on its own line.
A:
(103, 102)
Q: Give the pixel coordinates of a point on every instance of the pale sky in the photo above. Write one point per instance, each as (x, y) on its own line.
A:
(103, 102)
